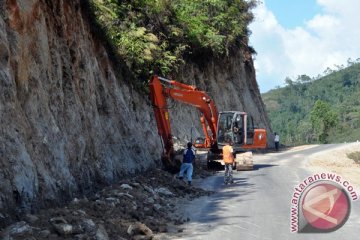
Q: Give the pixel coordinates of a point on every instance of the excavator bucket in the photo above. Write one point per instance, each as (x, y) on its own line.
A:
(244, 161)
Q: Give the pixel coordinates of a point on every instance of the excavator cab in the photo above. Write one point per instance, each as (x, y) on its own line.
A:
(239, 127)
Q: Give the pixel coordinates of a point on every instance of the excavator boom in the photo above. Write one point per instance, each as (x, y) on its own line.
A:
(186, 94)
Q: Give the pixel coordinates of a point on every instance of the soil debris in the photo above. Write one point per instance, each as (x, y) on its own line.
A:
(139, 207)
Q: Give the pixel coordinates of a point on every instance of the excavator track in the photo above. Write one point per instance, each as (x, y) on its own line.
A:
(202, 159)
(208, 160)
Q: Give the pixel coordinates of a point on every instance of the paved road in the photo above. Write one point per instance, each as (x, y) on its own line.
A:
(257, 206)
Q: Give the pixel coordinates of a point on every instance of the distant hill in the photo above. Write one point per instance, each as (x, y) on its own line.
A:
(325, 110)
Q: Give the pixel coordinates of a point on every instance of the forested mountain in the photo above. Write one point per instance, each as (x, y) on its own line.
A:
(325, 110)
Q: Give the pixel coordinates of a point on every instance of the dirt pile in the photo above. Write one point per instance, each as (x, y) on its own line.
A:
(337, 161)
(139, 207)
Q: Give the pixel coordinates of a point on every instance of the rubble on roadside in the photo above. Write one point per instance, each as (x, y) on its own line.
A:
(139, 207)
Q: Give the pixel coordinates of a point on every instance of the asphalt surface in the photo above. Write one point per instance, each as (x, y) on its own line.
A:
(257, 205)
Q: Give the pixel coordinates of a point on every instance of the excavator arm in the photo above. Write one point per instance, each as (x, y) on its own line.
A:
(186, 94)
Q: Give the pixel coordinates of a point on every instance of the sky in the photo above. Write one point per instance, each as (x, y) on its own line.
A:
(295, 37)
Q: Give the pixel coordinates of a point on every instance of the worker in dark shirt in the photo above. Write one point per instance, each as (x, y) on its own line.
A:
(187, 163)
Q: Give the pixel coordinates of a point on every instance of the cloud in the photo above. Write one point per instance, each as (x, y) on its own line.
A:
(323, 22)
(326, 40)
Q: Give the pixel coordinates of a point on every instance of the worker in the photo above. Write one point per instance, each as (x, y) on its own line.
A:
(237, 133)
(187, 163)
(228, 157)
(277, 141)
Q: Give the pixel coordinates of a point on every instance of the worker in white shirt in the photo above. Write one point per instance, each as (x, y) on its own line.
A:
(277, 141)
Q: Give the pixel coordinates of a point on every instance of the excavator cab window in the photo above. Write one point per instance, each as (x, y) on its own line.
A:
(225, 127)
(250, 130)
(238, 129)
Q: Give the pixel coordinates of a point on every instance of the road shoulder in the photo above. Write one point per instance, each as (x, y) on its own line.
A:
(335, 160)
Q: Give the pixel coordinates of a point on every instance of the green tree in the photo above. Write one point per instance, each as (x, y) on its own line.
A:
(303, 78)
(322, 118)
(305, 132)
(288, 81)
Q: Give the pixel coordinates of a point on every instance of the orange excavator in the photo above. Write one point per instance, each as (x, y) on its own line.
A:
(236, 125)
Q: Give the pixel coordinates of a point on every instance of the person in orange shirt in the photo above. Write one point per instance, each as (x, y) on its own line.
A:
(228, 157)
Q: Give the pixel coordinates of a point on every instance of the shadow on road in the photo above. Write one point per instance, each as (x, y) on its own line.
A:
(260, 166)
(219, 209)
(216, 166)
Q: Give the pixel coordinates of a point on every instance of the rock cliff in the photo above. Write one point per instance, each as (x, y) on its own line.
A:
(68, 123)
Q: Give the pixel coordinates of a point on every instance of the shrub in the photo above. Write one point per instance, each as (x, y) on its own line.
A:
(155, 35)
(354, 156)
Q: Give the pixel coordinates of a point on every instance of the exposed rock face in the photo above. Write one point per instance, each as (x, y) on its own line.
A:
(67, 123)
(231, 83)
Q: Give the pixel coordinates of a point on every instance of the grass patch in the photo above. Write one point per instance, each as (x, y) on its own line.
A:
(354, 156)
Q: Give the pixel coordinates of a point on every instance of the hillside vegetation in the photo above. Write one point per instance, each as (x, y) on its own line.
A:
(160, 35)
(326, 110)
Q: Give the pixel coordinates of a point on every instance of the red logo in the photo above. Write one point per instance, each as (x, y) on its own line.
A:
(325, 206)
